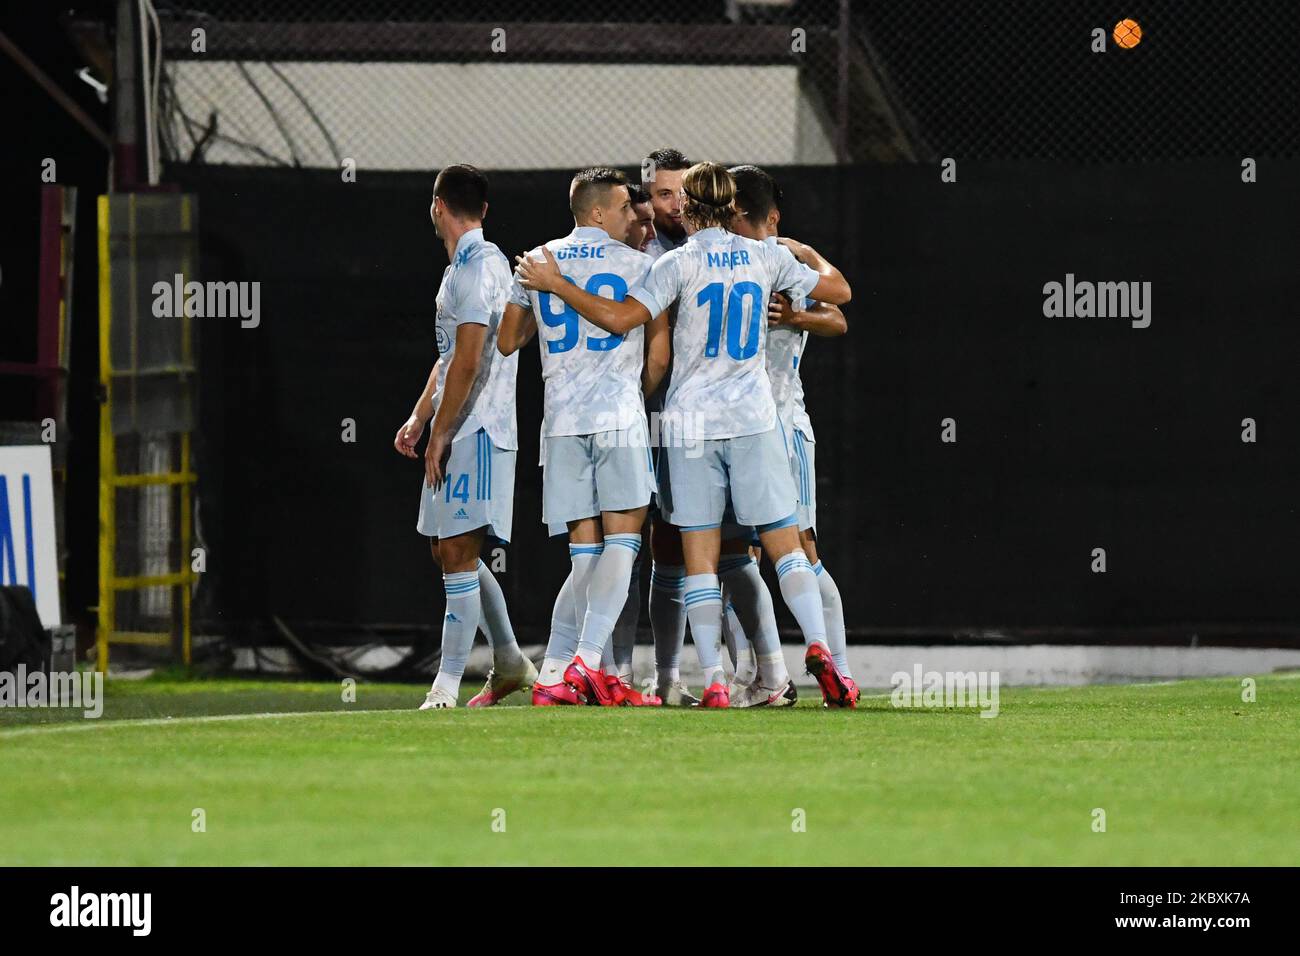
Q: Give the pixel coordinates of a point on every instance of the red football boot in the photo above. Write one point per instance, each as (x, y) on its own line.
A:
(554, 695)
(592, 686)
(633, 697)
(837, 690)
(716, 696)
(854, 693)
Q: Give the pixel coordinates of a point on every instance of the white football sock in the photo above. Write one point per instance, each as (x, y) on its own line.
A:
(667, 619)
(755, 612)
(563, 643)
(799, 589)
(703, 599)
(459, 625)
(625, 627)
(833, 610)
(495, 623)
(583, 558)
(772, 670)
(606, 595)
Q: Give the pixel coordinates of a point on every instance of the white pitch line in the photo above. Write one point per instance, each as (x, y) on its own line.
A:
(173, 721)
(214, 718)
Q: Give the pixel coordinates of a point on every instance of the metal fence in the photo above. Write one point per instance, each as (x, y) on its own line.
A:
(1028, 79)
(525, 84)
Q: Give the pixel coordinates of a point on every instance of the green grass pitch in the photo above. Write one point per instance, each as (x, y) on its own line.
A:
(1186, 773)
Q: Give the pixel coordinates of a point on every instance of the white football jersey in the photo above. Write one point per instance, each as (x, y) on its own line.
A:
(591, 379)
(721, 283)
(474, 289)
(660, 244)
(785, 351)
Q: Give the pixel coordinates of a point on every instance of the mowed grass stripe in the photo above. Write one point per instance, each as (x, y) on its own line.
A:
(1187, 774)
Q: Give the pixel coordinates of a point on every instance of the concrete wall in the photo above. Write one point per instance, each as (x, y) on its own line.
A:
(420, 116)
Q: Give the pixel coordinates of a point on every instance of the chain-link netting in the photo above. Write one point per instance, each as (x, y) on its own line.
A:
(514, 85)
(527, 84)
(1032, 80)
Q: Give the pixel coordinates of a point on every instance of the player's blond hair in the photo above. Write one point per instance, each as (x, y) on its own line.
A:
(709, 193)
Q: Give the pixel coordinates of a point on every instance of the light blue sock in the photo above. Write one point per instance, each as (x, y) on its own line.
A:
(459, 625)
(625, 627)
(606, 595)
(833, 611)
(703, 599)
(563, 642)
(799, 589)
(495, 621)
(583, 558)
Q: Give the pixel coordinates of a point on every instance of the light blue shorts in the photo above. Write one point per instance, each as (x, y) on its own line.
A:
(587, 474)
(752, 471)
(804, 471)
(479, 491)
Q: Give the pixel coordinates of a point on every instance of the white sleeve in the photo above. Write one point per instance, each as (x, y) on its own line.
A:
(472, 298)
(791, 276)
(661, 285)
(518, 294)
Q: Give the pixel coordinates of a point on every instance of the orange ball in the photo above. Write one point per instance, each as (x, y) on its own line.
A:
(1128, 34)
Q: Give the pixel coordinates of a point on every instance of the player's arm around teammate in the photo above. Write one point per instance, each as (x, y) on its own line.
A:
(822, 320)
(620, 318)
(517, 329)
(658, 353)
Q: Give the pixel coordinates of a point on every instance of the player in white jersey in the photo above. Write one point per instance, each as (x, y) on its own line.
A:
(725, 438)
(758, 216)
(467, 491)
(598, 477)
(661, 175)
(640, 233)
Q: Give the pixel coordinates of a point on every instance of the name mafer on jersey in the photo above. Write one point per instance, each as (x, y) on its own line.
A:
(581, 252)
(728, 260)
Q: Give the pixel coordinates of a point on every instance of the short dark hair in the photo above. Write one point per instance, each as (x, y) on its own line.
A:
(756, 193)
(637, 193)
(463, 188)
(590, 185)
(668, 159)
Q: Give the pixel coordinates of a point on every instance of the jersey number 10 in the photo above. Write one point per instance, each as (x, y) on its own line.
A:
(711, 295)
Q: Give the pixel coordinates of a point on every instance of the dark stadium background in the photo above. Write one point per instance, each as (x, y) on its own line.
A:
(1072, 433)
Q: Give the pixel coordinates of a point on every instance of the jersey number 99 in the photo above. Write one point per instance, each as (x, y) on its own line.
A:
(568, 318)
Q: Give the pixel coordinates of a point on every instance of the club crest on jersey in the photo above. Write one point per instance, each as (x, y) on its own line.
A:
(443, 339)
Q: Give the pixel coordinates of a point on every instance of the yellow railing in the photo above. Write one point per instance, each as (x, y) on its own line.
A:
(110, 583)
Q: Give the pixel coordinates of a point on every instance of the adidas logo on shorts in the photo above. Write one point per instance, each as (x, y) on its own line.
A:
(462, 513)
